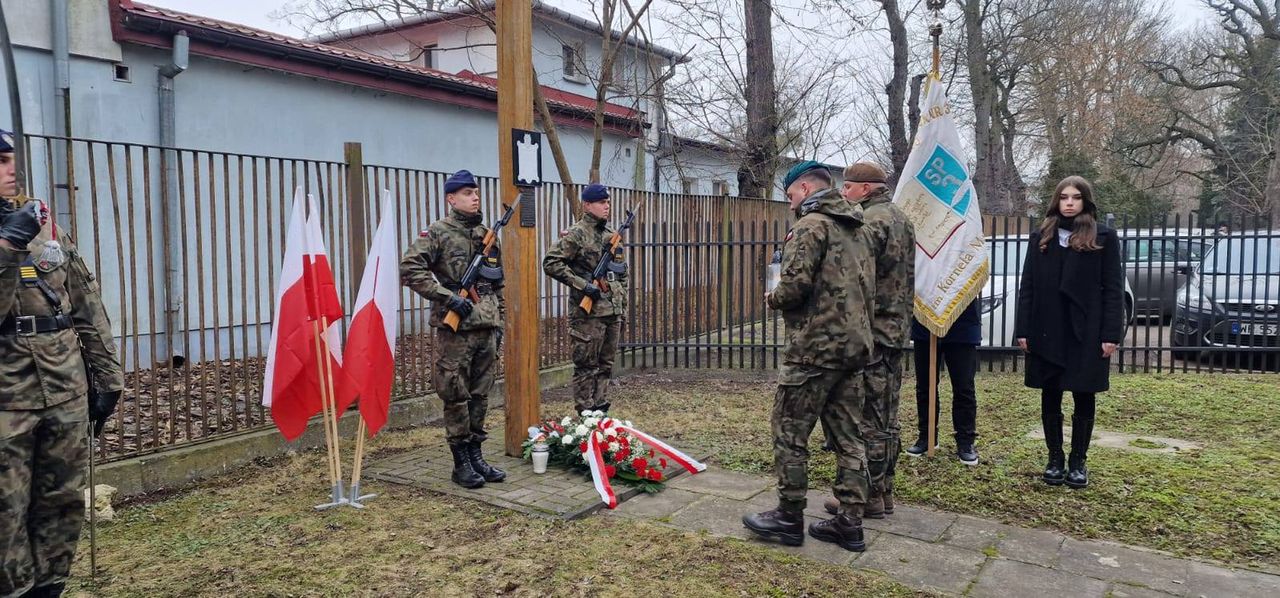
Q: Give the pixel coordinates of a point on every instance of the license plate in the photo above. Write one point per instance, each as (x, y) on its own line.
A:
(1255, 329)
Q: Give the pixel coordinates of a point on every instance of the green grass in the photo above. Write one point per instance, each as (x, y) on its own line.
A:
(253, 533)
(1221, 502)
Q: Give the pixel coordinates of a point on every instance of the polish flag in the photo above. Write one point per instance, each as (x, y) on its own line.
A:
(291, 386)
(327, 306)
(371, 344)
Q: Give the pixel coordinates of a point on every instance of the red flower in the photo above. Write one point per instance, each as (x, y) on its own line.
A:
(606, 424)
(622, 454)
(663, 463)
(640, 464)
(609, 471)
(650, 453)
(582, 447)
(655, 475)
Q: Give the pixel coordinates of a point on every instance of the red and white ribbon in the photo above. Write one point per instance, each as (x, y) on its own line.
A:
(595, 459)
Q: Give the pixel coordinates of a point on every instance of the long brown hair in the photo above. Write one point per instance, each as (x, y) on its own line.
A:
(1084, 234)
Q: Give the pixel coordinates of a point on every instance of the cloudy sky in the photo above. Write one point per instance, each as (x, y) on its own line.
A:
(258, 13)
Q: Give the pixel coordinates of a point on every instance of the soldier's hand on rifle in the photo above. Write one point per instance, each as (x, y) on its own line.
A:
(101, 406)
(460, 305)
(22, 225)
(592, 291)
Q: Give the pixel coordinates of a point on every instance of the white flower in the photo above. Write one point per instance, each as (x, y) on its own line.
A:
(614, 447)
(568, 439)
(627, 423)
(566, 421)
(534, 432)
(597, 413)
(580, 430)
(586, 413)
(555, 434)
(591, 422)
(611, 432)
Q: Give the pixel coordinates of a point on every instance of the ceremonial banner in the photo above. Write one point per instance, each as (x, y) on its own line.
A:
(937, 193)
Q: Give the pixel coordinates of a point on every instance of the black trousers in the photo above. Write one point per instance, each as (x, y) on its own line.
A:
(961, 362)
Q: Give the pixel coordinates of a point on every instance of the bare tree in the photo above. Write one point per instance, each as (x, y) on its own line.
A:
(755, 176)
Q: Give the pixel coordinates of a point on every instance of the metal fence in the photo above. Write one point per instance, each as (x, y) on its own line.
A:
(1198, 296)
(187, 245)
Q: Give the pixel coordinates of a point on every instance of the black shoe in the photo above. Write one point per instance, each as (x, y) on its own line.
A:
(463, 474)
(843, 530)
(786, 527)
(1055, 472)
(967, 453)
(478, 464)
(1078, 477)
(921, 447)
(50, 591)
(602, 407)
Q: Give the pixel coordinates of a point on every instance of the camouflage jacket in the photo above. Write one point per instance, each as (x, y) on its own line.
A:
(576, 254)
(892, 239)
(437, 261)
(47, 369)
(827, 291)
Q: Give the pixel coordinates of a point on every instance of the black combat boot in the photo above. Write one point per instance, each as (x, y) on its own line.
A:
(844, 530)
(1081, 434)
(602, 407)
(1054, 472)
(478, 464)
(782, 525)
(874, 509)
(50, 591)
(463, 474)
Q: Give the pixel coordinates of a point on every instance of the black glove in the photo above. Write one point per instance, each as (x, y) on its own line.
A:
(592, 291)
(101, 406)
(21, 226)
(460, 305)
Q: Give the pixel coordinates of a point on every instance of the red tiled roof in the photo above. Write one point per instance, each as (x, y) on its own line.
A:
(133, 21)
(553, 94)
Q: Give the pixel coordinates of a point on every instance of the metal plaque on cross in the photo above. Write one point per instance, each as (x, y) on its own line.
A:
(527, 154)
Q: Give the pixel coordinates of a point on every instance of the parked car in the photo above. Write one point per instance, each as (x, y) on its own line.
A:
(1232, 300)
(998, 303)
(1157, 262)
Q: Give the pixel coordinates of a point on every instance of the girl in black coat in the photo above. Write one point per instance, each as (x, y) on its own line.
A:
(1070, 319)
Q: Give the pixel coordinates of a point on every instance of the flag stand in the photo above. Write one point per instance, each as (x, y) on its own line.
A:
(357, 467)
(337, 497)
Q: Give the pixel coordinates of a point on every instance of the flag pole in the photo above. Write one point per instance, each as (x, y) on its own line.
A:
(330, 442)
(358, 467)
(332, 405)
(931, 434)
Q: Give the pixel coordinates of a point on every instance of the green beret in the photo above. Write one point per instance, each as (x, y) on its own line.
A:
(798, 171)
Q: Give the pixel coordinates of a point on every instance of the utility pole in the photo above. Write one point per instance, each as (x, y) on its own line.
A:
(519, 243)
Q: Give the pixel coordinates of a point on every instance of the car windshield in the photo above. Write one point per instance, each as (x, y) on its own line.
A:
(1244, 256)
(1007, 255)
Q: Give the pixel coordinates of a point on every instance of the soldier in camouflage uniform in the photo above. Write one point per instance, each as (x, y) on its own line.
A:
(827, 299)
(54, 335)
(595, 335)
(464, 371)
(892, 239)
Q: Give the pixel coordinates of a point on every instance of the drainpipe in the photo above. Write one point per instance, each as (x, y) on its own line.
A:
(62, 104)
(169, 210)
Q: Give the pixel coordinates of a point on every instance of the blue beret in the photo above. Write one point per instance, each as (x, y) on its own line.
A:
(460, 180)
(6, 141)
(798, 171)
(595, 192)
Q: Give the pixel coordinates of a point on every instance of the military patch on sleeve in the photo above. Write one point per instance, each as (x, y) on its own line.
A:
(790, 233)
(426, 232)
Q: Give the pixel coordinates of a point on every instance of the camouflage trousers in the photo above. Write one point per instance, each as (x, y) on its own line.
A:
(463, 378)
(805, 395)
(882, 385)
(595, 343)
(43, 459)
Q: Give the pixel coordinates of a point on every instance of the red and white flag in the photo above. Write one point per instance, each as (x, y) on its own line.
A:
(291, 386)
(371, 343)
(327, 306)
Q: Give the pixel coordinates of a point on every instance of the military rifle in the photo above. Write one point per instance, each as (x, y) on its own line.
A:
(466, 286)
(598, 275)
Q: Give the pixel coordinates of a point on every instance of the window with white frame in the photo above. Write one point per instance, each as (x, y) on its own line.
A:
(574, 67)
(429, 55)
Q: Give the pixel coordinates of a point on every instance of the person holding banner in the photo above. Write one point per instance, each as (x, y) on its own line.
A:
(827, 297)
(464, 373)
(1070, 320)
(958, 349)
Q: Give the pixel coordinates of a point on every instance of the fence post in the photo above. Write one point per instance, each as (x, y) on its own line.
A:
(353, 154)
